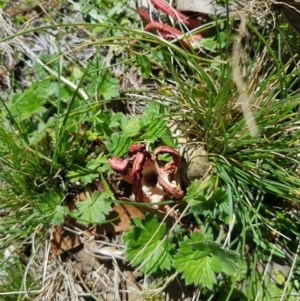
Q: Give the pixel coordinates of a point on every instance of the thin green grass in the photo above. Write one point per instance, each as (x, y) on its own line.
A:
(261, 172)
(260, 176)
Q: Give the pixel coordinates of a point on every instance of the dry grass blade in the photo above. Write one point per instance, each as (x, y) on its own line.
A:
(244, 97)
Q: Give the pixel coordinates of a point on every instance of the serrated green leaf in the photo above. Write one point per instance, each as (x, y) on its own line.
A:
(106, 123)
(93, 164)
(146, 245)
(223, 260)
(202, 204)
(169, 140)
(91, 135)
(195, 266)
(155, 129)
(115, 119)
(94, 209)
(84, 174)
(219, 196)
(199, 260)
(151, 112)
(32, 100)
(118, 145)
(59, 215)
(193, 190)
(108, 86)
(48, 204)
(130, 127)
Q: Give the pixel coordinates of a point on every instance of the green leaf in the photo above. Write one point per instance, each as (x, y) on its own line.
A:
(151, 112)
(202, 204)
(108, 86)
(115, 119)
(32, 100)
(145, 64)
(118, 145)
(91, 135)
(99, 18)
(84, 174)
(222, 38)
(76, 73)
(130, 127)
(3, 3)
(106, 122)
(193, 190)
(198, 261)
(169, 140)
(146, 245)
(155, 130)
(59, 215)
(279, 277)
(94, 209)
(208, 43)
(48, 204)
(269, 290)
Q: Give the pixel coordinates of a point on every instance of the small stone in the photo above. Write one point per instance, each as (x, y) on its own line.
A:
(196, 162)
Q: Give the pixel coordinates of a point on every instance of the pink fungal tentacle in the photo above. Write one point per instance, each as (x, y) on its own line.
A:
(118, 164)
(168, 170)
(167, 150)
(167, 31)
(135, 148)
(173, 32)
(137, 174)
(160, 180)
(143, 13)
(175, 14)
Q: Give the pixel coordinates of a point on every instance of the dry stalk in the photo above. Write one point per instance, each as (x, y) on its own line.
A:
(239, 82)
